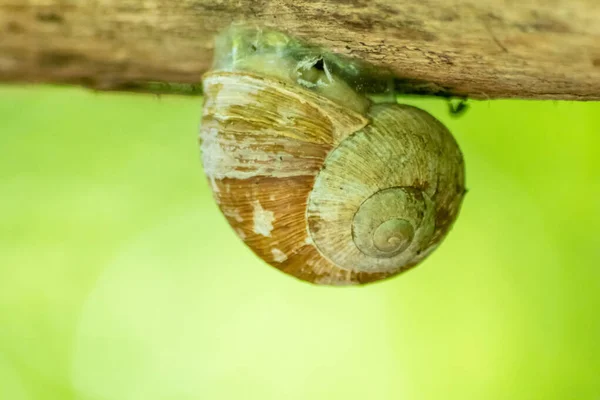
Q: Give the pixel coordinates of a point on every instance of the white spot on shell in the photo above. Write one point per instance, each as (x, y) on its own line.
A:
(233, 213)
(286, 117)
(263, 220)
(278, 255)
(213, 155)
(213, 184)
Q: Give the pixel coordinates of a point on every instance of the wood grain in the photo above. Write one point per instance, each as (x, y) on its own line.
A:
(545, 49)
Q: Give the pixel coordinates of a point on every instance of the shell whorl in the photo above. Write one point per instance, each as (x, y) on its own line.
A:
(392, 221)
(373, 205)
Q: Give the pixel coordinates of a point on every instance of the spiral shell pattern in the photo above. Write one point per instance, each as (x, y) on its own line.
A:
(374, 204)
(326, 193)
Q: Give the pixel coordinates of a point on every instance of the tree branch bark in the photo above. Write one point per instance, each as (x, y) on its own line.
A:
(545, 49)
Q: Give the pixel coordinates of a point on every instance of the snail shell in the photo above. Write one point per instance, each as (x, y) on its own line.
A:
(328, 192)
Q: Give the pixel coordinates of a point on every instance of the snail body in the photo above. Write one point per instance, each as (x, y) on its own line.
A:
(319, 181)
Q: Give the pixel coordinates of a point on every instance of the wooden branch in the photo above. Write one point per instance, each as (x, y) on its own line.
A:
(547, 49)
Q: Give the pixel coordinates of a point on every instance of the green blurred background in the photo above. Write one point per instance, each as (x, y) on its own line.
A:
(120, 279)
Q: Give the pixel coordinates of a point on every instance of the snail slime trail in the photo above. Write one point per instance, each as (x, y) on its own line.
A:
(318, 180)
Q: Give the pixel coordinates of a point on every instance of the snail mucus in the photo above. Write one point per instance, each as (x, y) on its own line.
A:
(319, 180)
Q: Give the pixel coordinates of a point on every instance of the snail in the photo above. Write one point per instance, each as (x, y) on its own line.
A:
(319, 180)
